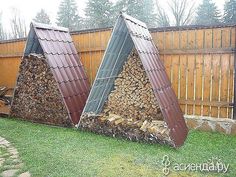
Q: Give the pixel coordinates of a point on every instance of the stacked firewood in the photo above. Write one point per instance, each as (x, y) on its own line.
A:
(154, 131)
(133, 97)
(131, 110)
(37, 97)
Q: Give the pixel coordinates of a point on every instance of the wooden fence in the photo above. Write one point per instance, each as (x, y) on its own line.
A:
(199, 62)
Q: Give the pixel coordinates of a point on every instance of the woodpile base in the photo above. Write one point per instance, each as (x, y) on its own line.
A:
(37, 97)
(131, 111)
(150, 132)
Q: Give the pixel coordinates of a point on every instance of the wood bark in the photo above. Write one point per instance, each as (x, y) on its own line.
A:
(37, 97)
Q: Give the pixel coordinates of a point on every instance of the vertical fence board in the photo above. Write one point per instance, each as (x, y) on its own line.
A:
(168, 40)
(207, 83)
(199, 66)
(183, 68)
(175, 71)
(231, 84)
(215, 83)
(190, 82)
(225, 67)
(167, 64)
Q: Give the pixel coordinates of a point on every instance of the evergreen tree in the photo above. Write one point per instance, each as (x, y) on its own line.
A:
(99, 14)
(207, 14)
(42, 17)
(140, 9)
(230, 12)
(68, 15)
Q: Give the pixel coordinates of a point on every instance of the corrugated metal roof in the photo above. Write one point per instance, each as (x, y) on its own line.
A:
(128, 33)
(56, 44)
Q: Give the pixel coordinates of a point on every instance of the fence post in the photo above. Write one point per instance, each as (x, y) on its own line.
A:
(234, 108)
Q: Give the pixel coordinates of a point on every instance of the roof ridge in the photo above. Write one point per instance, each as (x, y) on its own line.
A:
(134, 20)
(49, 27)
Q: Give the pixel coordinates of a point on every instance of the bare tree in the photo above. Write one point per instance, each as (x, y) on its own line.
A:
(18, 26)
(162, 17)
(3, 35)
(183, 11)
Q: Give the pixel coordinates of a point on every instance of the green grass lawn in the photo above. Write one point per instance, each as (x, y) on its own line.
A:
(55, 151)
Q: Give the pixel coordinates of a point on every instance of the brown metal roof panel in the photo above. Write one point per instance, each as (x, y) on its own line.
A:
(148, 62)
(70, 74)
(63, 48)
(156, 64)
(65, 37)
(41, 34)
(73, 49)
(63, 61)
(51, 61)
(79, 72)
(51, 47)
(160, 79)
(70, 90)
(79, 102)
(77, 90)
(75, 116)
(60, 59)
(51, 35)
(76, 104)
(70, 104)
(77, 61)
(44, 46)
(64, 90)
(57, 75)
(57, 49)
(80, 86)
(77, 58)
(47, 34)
(71, 61)
(73, 71)
(60, 78)
(57, 60)
(83, 84)
(58, 36)
(64, 74)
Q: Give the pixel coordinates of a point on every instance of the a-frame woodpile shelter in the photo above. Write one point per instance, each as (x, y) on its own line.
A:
(52, 87)
(115, 80)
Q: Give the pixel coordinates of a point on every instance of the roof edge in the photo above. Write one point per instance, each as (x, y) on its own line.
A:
(138, 22)
(51, 27)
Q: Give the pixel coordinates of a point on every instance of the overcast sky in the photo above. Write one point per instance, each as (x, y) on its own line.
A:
(29, 8)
